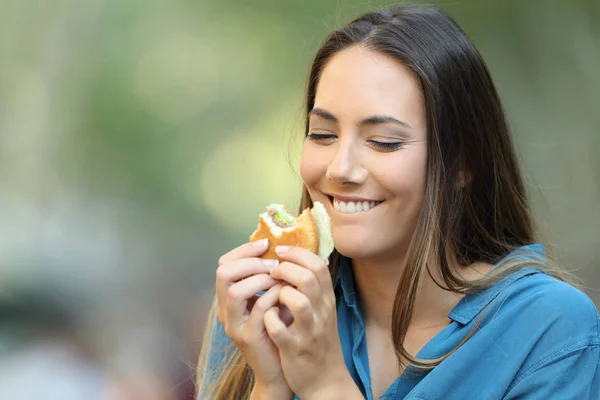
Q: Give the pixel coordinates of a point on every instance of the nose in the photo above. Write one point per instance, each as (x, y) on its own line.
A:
(346, 166)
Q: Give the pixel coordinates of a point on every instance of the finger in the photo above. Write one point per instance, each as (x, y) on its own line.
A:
(243, 268)
(309, 260)
(239, 294)
(278, 332)
(302, 278)
(251, 249)
(261, 306)
(228, 274)
(300, 306)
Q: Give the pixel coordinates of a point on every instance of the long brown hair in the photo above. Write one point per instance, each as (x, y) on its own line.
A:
(476, 207)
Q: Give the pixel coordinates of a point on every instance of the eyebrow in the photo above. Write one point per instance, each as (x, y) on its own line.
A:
(373, 120)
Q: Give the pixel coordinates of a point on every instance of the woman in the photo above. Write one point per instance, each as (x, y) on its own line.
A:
(437, 288)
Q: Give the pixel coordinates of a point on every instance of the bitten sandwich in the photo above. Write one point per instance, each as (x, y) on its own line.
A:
(311, 230)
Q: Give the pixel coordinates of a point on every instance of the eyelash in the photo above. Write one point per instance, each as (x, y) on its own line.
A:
(317, 137)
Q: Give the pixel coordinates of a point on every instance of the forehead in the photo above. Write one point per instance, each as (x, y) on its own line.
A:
(357, 82)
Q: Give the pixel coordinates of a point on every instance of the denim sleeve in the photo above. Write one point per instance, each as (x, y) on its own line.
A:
(219, 348)
(573, 372)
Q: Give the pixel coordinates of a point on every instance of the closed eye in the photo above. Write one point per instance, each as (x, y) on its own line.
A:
(328, 138)
(386, 145)
(321, 137)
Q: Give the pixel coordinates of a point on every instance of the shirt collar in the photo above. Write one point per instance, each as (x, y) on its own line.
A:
(473, 303)
(469, 306)
(344, 281)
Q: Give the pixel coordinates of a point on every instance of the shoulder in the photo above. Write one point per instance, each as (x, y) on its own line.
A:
(219, 343)
(216, 346)
(544, 296)
(556, 327)
(217, 349)
(539, 306)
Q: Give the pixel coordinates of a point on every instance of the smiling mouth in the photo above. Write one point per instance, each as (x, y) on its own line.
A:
(353, 207)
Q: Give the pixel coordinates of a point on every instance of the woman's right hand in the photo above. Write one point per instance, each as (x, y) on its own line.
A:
(241, 275)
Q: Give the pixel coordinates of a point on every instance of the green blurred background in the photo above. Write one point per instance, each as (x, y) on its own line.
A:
(139, 140)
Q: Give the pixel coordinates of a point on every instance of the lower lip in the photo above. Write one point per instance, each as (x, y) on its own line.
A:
(354, 213)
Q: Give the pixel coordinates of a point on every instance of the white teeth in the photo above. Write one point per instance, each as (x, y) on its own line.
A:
(352, 207)
(343, 207)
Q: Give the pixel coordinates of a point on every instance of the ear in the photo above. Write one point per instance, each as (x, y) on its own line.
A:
(464, 178)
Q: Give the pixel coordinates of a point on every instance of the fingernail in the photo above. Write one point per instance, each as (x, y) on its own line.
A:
(270, 263)
(281, 249)
(260, 243)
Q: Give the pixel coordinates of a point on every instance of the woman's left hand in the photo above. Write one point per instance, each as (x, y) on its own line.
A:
(310, 349)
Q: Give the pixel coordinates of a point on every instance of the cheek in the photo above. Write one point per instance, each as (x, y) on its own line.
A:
(312, 165)
(407, 183)
(404, 175)
(305, 167)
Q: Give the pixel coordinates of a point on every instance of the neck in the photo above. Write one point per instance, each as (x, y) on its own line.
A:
(377, 281)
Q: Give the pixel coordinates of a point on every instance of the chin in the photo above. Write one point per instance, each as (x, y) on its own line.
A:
(353, 245)
(364, 246)
(354, 253)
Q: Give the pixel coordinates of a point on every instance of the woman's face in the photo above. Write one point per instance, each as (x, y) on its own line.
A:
(366, 147)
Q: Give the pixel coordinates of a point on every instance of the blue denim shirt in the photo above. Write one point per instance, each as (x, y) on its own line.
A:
(539, 339)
